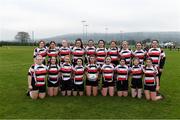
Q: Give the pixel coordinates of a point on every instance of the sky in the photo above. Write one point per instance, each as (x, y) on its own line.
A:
(48, 18)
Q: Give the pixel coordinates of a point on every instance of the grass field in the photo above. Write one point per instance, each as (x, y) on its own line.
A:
(14, 64)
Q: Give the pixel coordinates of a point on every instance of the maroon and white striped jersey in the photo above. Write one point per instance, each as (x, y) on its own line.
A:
(150, 74)
(113, 53)
(127, 55)
(66, 70)
(90, 50)
(38, 74)
(156, 54)
(92, 72)
(63, 51)
(52, 52)
(136, 71)
(122, 72)
(107, 72)
(53, 73)
(101, 54)
(141, 54)
(77, 52)
(78, 74)
(40, 51)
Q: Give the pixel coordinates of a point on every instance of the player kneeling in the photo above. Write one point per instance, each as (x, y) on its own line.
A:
(92, 73)
(37, 79)
(53, 77)
(151, 81)
(78, 71)
(107, 77)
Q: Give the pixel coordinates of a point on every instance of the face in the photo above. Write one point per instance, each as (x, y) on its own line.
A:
(67, 59)
(64, 43)
(39, 60)
(122, 62)
(138, 46)
(78, 43)
(41, 44)
(136, 62)
(52, 45)
(79, 62)
(92, 59)
(108, 60)
(154, 44)
(148, 62)
(90, 43)
(125, 45)
(101, 44)
(113, 44)
(53, 60)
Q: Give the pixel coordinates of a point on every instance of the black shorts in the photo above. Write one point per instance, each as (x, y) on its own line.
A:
(136, 83)
(122, 85)
(66, 85)
(50, 84)
(41, 89)
(150, 88)
(91, 83)
(106, 84)
(78, 87)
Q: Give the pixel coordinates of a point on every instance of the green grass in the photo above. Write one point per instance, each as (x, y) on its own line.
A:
(15, 62)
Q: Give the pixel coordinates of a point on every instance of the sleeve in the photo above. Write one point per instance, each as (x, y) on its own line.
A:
(162, 60)
(35, 53)
(31, 70)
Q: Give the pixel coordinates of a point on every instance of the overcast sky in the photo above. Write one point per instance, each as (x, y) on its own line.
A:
(56, 17)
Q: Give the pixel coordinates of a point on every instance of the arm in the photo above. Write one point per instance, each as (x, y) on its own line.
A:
(29, 82)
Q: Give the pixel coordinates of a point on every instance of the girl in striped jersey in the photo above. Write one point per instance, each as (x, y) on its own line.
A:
(140, 53)
(157, 55)
(78, 75)
(107, 77)
(52, 51)
(126, 53)
(151, 81)
(37, 79)
(122, 72)
(53, 77)
(64, 50)
(90, 50)
(113, 52)
(101, 52)
(136, 78)
(77, 51)
(41, 50)
(92, 73)
(66, 78)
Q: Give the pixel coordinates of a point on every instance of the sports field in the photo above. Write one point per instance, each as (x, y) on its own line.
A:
(15, 62)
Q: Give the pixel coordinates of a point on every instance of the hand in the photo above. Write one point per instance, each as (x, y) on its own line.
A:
(30, 87)
(157, 88)
(160, 70)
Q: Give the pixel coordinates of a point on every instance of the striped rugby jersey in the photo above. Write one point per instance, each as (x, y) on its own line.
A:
(77, 53)
(52, 52)
(63, 51)
(66, 70)
(113, 53)
(38, 74)
(141, 54)
(136, 71)
(107, 72)
(101, 53)
(122, 72)
(92, 72)
(53, 73)
(78, 74)
(90, 50)
(150, 74)
(127, 54)
(157, 55)
(40, 51)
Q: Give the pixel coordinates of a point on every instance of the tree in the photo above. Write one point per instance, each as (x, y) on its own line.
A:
(22, 37)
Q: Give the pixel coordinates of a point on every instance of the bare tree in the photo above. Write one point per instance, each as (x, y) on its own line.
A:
(22, 37)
